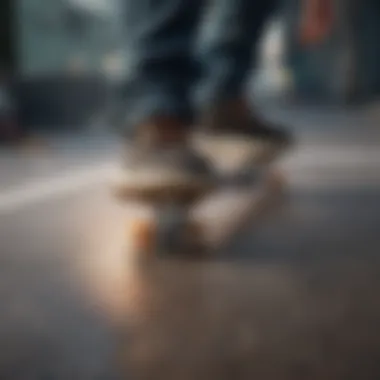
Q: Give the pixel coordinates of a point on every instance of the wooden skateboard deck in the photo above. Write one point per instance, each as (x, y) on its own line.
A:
(217, 217)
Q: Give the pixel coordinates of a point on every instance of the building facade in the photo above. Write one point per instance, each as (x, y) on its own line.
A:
(65, 53)
(59, 36)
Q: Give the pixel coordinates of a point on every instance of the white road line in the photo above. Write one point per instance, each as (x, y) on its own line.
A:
(47, 188)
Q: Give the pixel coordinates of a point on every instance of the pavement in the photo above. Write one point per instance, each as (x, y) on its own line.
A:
(295, 297)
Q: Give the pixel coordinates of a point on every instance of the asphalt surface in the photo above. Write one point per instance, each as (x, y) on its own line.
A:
(295, 297)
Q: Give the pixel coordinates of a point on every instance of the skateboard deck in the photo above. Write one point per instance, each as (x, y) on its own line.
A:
(213, 220)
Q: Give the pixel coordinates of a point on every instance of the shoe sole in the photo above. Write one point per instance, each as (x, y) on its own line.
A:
(149, 189)
(223, 150)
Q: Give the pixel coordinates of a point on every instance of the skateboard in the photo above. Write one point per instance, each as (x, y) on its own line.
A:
(183, 224)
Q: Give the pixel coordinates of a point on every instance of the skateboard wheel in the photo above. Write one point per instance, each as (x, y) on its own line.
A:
(150, 238)
(174, 232)
(143, 233)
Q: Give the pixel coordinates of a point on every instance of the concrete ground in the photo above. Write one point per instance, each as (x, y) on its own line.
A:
(295, 297)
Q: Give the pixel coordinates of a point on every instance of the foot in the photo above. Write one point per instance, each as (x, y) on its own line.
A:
(162, 164)
(235, 122)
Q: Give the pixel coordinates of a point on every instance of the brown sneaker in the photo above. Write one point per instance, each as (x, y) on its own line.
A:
(236, 118)
(234, 122)
(160, 162)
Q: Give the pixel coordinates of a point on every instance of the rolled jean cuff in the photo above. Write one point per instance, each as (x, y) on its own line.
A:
(156, 105)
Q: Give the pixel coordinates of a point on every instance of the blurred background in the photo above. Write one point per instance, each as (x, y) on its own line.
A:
(82, 62)
(293, 297)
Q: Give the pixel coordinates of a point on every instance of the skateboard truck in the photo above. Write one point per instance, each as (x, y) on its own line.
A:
(171, 230)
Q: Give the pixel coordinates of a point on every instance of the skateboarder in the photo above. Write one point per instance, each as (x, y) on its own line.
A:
(171, 59)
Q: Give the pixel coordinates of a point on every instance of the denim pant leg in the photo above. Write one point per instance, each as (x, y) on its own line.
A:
(226, 48)
(160, 36)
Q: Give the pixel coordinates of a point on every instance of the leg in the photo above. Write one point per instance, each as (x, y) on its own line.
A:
(159, 38)
(227, 53)
(160, 34)
(229, 40)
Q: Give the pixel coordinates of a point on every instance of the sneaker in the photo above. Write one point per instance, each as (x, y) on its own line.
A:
(160, 164)
(235, 124)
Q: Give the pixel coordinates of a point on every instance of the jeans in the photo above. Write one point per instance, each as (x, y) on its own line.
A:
(187, 54)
